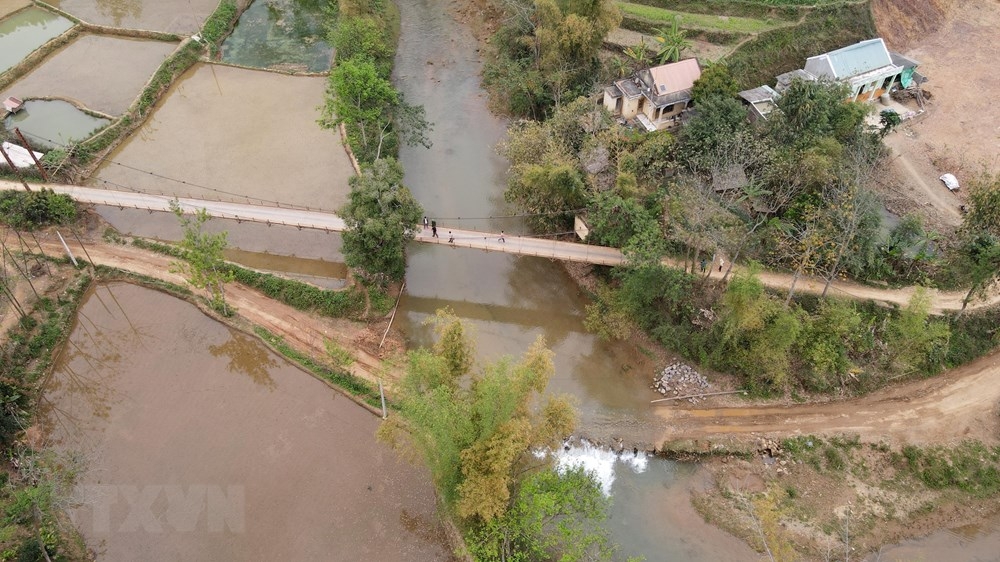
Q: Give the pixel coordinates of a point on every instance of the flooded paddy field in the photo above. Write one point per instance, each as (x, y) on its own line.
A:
(232, 133)
(201, 444)
(53, 123)
(101, 72)
(183, 17)
(27, 30)
(280, 34)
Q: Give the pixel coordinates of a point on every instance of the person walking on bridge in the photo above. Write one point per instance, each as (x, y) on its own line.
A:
(501, 239)
(434, 229)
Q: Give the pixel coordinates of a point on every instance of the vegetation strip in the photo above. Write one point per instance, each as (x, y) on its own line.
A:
(347, 303)
(341, 379)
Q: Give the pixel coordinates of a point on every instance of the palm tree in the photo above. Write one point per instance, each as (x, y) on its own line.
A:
(638, 54)
(672, 42)
(620, 66)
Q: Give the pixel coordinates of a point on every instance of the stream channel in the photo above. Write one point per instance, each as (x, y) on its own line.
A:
(510, 300)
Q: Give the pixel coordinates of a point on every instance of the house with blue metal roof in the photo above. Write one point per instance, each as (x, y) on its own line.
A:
(867, 67)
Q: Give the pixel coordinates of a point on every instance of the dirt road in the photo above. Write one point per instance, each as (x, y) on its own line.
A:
(959, 404)
(962, 404)
(303, 331)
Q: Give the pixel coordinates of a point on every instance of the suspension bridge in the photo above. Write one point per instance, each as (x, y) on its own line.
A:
(305, 218)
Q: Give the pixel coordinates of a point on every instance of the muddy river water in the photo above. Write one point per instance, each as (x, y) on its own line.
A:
(199, 443)
(511, 300)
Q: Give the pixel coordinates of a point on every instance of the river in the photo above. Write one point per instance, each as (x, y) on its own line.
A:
(510, 300)
(202, 444)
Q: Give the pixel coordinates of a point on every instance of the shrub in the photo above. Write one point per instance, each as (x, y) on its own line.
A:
(34, 209)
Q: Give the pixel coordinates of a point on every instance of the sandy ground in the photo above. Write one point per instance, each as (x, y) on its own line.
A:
(127, 63)
(960, 133)
(10, 6)
(171, 16)
(226, 133)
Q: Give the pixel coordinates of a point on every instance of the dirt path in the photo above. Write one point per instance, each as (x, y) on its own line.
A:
(962, 404)
(303, 331)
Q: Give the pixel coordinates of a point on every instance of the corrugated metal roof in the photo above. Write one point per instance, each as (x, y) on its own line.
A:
(759, 94)
(851, 60)
(675, 77)
(903, 60)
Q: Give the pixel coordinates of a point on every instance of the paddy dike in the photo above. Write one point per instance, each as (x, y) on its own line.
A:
(235, 134)
(74, 72)
(235, 453)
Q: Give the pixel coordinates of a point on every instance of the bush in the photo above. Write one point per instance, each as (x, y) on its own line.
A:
(35, 209)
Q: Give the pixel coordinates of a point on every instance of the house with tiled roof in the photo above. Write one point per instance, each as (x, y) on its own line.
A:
(654, 97)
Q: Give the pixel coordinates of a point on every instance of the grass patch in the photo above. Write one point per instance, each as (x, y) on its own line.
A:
(783, 49)
(219, 25)
(970, 467)
(342, 379)
(742, 8)
(697, 21)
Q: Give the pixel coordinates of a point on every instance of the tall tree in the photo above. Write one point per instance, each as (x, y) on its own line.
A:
(204, 262)
(381, 216)
(550, 46)
(715, 80)
(981, 236)
(376, 115)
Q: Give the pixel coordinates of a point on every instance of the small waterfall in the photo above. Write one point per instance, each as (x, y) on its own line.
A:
(601, 462)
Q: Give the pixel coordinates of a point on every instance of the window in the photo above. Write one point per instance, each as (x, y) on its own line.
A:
(668, 109)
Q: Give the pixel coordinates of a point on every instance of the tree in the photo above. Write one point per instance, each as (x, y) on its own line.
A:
(672, 42)
(981, 236)
(381, 216)
(547, 52)
(204, 262)
(889, 120)
(715, 81)
(915, 341)
(360, 97)
(716, 123)
(638, 54)
(556, 515)
(755, 333)
(812, 110)
(477, 433)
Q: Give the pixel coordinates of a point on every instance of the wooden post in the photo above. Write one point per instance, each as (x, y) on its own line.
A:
(14, 168)
(69, 253)
(697, 395)
(381, 393)
(31, 153)
(77, 236)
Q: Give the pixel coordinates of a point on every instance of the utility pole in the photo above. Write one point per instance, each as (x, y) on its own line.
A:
(31, 153)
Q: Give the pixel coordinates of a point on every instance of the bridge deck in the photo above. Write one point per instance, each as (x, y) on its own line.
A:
(320, 220)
